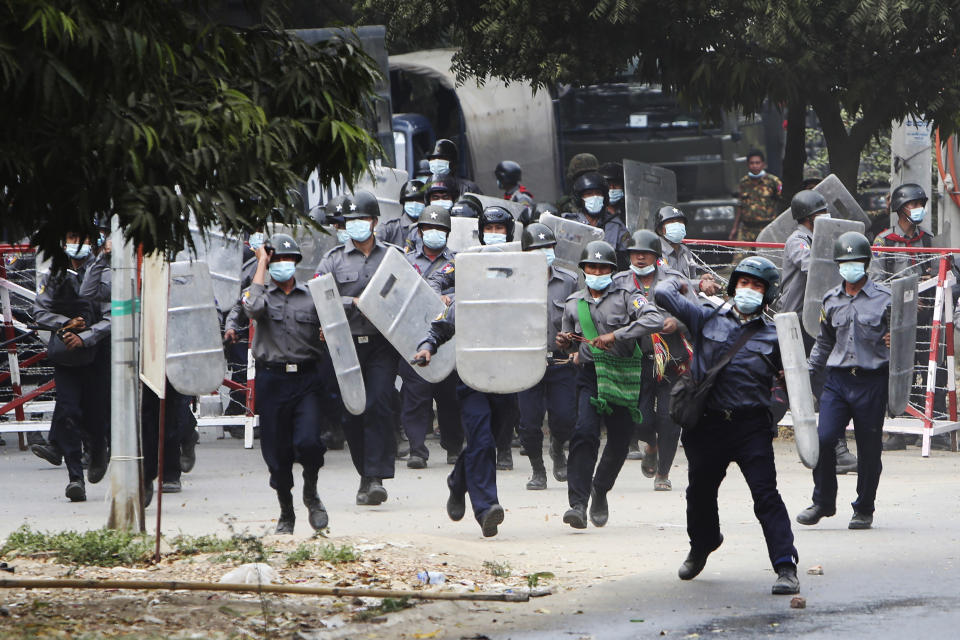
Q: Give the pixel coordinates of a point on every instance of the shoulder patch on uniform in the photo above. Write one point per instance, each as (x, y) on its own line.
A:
(639, 300)
(246, 294)
(447, 268)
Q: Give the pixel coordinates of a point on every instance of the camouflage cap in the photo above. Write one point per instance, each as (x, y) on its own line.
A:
(580, 164)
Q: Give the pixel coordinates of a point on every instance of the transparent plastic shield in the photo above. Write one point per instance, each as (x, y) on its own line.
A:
(313, 245)
(401, 305)
(195, 361)
(504, 247)
(794, 359)
(495, 291)
(903, 342)
(385, 183)
(336, 332)
(463, 234)
(224, 258)
(646, 188)
(572, 237)
(840, 203)
(822, 274)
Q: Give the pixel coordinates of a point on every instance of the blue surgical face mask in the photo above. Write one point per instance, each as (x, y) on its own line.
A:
(593, 204)
(598, 283)
(852, 271)
(413, 209)
(101, 239)
(616, 195)
(439, 167)
(282, 271)
(757, 175)
(342, 236)
(748, 300)
(359, 230)
(435, 238)
(675, 232)
(917, 214)
(77, 251)
(256, 240)
(494, 238)
(643, 271)
(446, 204)
(550, 254)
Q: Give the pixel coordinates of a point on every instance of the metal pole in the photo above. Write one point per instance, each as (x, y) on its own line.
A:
(161, 430)
(126, 505)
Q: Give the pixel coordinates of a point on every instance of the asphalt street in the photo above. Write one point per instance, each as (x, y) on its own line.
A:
(899, 579)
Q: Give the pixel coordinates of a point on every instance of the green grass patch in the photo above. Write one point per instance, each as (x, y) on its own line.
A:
(99, 548)
(331, 553)
(498, 569)
(387, 605)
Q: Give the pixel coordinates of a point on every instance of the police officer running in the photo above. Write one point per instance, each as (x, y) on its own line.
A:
(603, 323)
(287, 347)
(736, 425)
(555, 394)
(854, 345)
(671, 226)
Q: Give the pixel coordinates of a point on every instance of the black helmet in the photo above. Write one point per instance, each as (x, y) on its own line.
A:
(441, 184)
(283, 244)
(363, 204)
(423, 170)
(760, 268)
(336, 208)
(612, 171)
(495, 213)
(669, 213)
(412, 190)
(542, 208)
(646, 241)
(467, 206)
(598, 252)
(508, 174)
(589, 181)
(445, 149)
(435, 215)
(318, 214)
(851, 246)
(906, 193)
(806, 204)
(537, 236)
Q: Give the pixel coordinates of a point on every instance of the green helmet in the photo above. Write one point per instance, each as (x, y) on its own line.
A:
(283, 244)
(851, 246)
(598, 252)
(647, 241)
(362, 204)
(537, 236)
(434, 215)
(760, 268)
(806, 204)
(580, 164)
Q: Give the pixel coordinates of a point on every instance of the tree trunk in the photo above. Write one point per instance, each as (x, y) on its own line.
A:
(795, 149)
(844, 151)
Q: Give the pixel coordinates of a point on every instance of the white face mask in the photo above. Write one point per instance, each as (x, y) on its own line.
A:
(359, 230)
(593, 204)
(494, 238)
(77, 251)
(917, 214)
(643, 271)
(616, 195)
(439, 167)
(446, 204)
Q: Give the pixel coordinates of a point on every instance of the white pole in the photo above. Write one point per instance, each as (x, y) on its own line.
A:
(126, 506)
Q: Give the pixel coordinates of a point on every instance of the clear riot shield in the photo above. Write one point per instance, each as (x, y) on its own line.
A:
(822, 274)
(840, 203)
(572, 237)
(501, 290)
(903, 342)
(385, 183)
(794, 359)
(336, 333)
(313, 245)
(646, 188)
(463, 234)
(195, 362)
(400, 303)
(224, 258)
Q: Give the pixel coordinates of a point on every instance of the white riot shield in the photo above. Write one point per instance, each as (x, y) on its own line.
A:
(336, 332)
(504, 247)
(572, 237)
(903, 342)
(646, 188)
(224, 258)
(195, 361)
(794, 359)
(385, 183)
(501, 290)
(463, 234)
(313, 245)
(400, 303)
(840, 203)
(823, 273)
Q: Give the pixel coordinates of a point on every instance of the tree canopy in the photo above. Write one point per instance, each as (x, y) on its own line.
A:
(151, 109)
(878, 60)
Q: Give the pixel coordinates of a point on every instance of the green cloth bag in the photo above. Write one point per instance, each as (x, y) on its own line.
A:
(618, 378)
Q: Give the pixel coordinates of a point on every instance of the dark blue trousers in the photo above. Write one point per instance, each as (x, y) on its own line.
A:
(290, 406)
(746, 439)
(417, 412)
(556, 396)
(81, 415)
(861, 396)
(585, 442)
(373, 445)
(476, 469)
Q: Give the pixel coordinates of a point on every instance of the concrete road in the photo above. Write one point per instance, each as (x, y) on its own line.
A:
(898, 579)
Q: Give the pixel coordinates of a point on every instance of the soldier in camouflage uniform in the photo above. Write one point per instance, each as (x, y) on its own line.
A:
(759, 199)
(580, 164)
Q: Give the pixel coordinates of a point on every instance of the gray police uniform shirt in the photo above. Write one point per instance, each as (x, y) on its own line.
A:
(885, 265)
(96, 287)
(614, 231)
(796, 263)
(561, 284)
(680, 258)
(400, 232)
(352, 271)
(65, 287)
(628, 315)
(631, 282)
(288, 328)
(426, 267)
(236, 318)
(746, 381)
(852, 328)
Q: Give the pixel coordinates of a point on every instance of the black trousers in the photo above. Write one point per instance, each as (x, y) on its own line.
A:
(417, 411)
(745, 438)
(81, 415)
(178, 425)
(373, 445)
(556, 396)
(657, 429)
